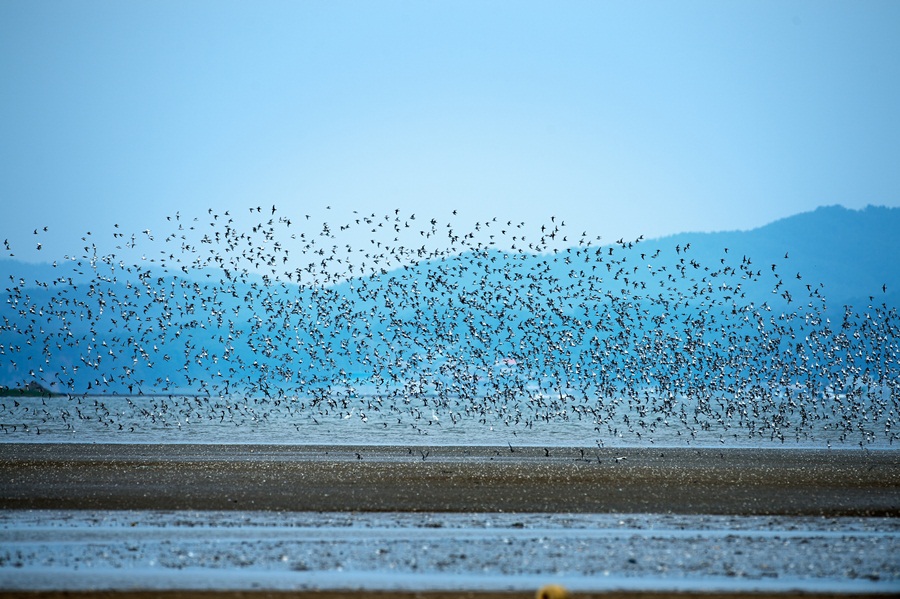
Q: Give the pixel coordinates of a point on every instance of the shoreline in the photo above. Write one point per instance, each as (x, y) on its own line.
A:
(833, 482)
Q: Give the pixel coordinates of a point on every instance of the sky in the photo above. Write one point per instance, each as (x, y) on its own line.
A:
(623, 118)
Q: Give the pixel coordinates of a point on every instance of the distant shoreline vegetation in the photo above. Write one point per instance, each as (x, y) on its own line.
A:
(32, 389)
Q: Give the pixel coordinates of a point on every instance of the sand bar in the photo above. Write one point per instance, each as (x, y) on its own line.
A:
(450, 479)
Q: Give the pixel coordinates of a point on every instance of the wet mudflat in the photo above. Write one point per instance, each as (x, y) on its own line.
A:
(450, 479)
(333, 522)
(210, 550)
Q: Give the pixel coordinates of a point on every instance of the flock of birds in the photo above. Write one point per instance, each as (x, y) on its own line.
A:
(497, 321)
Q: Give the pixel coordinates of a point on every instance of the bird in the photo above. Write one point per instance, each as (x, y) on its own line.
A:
(249, 323)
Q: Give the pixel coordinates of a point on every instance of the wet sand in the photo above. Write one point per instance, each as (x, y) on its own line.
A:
(413, 595)
(450, 479)
(447, 479)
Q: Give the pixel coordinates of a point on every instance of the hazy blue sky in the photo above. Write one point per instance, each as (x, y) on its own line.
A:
(626, 118)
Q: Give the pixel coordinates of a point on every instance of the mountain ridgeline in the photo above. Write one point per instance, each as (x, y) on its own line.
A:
(797, 317)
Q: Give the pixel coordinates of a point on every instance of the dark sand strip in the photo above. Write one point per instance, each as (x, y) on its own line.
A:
(450, 479)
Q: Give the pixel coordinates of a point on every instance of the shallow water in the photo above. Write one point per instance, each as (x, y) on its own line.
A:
(244, 550)
(370, 419)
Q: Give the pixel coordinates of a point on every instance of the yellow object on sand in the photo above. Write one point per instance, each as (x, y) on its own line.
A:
(552, 591)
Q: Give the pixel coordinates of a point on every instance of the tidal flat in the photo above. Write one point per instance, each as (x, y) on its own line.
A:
(417, 521)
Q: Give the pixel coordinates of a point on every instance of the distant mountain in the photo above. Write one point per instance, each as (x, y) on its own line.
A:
(852, 253)
(619, 311)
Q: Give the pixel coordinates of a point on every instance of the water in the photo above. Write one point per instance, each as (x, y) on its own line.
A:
(370, 419)
(419, 551)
